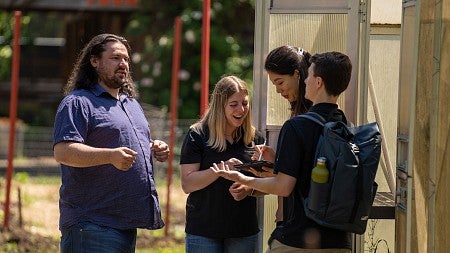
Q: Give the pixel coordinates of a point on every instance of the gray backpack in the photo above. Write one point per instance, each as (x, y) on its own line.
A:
(352, 156)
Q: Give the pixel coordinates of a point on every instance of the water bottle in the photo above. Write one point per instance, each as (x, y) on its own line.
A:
(318, 192)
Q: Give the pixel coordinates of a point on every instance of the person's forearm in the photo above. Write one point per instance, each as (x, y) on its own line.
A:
(81, 155)
(197, 180)
(256, 193)
(269, 185)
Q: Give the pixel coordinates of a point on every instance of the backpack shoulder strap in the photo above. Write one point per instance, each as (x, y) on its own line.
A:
(315, 117)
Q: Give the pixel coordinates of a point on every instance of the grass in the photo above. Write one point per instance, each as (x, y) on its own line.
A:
(40, 214)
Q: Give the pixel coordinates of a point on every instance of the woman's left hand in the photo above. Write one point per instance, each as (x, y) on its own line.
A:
(231, 162)
(239, 191)
(224, 171)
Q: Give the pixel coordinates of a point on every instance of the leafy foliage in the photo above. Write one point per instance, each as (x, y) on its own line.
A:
(150, 31)
(231, 48)
(6, 41)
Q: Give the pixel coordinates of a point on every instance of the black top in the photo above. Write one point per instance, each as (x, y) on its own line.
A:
(212, 211)
(295, 157)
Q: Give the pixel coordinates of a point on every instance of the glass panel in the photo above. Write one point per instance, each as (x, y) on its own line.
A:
(315, 33)
(407, 69)
(406, 85)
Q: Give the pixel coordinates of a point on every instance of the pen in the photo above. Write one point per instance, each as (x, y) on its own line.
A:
(260, 154)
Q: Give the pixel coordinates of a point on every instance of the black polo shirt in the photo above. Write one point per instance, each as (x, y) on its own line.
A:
(295, 157)
(212, 211)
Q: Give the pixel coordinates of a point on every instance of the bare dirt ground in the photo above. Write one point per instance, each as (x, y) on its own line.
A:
(40, 214)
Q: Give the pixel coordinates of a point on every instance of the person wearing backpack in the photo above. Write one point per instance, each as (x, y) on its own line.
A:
(328, 76)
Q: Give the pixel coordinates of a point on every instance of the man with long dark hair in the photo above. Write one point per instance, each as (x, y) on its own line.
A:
(102, 140)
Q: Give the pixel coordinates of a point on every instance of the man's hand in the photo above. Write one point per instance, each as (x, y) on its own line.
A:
(160, 150)
(123, 158)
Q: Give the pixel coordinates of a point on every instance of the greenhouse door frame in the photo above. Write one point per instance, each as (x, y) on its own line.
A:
(356, 15)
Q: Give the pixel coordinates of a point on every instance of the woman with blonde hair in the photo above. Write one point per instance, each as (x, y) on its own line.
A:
(220, 214)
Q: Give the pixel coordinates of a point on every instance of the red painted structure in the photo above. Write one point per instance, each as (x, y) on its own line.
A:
(12, 112)
(204, 79)
(176, 55)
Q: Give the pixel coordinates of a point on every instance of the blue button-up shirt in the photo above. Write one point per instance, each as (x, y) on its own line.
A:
(103, 194)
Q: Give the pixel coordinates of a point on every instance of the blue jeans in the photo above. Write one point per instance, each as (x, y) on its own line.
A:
(86, 237)
(200, 244)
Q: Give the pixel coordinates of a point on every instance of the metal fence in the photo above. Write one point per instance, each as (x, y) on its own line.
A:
(34, 142)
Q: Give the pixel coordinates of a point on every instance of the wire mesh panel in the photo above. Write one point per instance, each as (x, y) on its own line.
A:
(313, 32)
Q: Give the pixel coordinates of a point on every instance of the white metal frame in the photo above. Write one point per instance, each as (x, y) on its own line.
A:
(406, 139)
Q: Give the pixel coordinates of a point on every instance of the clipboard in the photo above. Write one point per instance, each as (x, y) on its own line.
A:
(257, 165)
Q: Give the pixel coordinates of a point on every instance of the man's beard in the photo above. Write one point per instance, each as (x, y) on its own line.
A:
(112, 82)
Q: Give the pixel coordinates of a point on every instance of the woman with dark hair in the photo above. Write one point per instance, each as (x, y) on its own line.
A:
(287, 67)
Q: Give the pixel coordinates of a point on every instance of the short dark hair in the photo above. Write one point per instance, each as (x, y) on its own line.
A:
(335, 69)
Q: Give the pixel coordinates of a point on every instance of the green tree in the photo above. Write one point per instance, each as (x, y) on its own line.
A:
(6, 41)
(231, 48)
(33, 24)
